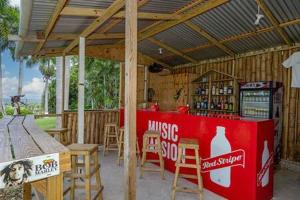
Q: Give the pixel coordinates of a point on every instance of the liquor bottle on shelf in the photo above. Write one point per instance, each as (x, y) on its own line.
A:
(212, 105)
(225, 90)
(230, 90)
(203, 91)
(222, 104)
(219, 105)
(206, 90)
(213, 90)
(221, 90)
(217, 91)
(230, 106)
(226, 105)
(198, 104)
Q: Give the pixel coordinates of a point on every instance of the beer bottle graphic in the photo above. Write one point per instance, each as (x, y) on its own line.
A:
(265, 157)
(219, 146)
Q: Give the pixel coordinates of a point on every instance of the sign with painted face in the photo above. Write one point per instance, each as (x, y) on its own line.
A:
(17, 172)
(236, 155)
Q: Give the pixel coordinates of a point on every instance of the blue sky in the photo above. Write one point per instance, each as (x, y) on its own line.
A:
(32, 83)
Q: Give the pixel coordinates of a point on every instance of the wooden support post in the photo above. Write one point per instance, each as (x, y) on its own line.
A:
(80, 136)
(121, 85)
(146, 84)
(63, 90)
(130, 100)
(67, 82)
(59, 88)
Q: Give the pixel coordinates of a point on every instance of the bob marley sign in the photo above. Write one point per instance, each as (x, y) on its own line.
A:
(17, 172)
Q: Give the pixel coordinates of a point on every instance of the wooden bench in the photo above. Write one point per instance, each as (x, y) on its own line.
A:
(41, 158)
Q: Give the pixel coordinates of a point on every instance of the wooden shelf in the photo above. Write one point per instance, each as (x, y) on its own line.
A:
(217, 78)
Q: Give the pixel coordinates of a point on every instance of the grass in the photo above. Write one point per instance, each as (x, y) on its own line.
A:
(46, 122)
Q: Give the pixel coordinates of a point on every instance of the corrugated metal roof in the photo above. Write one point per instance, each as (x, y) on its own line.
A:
(230, 19)
(233, 18)
(149, 48)
(41, 13)
(56, 44)
(90, 3)
(188, 38)
(211, 52)
(257, 42)
(28, 47)
(71, 24)
(164, 6)
(284, 10)
(293, 32)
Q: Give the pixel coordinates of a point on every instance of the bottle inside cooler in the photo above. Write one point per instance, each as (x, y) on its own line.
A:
(255, 104)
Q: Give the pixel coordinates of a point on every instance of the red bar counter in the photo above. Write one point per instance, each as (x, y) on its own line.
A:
(237, 155)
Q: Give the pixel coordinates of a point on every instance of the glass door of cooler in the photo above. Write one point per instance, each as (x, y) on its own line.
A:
(255, 103)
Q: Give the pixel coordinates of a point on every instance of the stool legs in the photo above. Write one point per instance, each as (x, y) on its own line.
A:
(90, 169)
(87, 180)
(153, 148)
(108, 135)
(197, 166)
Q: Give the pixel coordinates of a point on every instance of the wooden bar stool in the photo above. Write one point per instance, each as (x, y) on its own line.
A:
(111, 140)
(121, 146)
(188, 144)
(89, 153)
(60, 133)
(152, 144)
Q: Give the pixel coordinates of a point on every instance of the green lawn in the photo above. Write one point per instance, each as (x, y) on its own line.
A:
(46, 122)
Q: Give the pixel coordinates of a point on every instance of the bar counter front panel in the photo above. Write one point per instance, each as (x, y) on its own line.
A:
(237, 165)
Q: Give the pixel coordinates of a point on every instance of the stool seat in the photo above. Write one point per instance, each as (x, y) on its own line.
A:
(188, 143)
(83, 147)
(152, 134)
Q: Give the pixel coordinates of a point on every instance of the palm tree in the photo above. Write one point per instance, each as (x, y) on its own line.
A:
(9, 22)
(29, 63)
(47, 69)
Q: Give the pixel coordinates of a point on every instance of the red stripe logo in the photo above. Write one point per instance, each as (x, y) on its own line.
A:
(232, 159)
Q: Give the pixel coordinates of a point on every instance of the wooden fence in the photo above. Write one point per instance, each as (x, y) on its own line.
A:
(94, 124)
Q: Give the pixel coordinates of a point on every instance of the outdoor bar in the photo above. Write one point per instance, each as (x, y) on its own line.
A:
(208, 93)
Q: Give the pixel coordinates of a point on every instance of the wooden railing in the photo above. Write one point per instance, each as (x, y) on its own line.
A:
(94, 124)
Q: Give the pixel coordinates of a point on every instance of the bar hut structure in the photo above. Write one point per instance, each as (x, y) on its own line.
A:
(183, 39)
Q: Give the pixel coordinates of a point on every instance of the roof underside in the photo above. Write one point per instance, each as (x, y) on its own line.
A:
(228, 24)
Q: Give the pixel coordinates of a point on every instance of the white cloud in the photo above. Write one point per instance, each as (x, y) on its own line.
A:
(10, 86)
(34, 89)
(15, 3)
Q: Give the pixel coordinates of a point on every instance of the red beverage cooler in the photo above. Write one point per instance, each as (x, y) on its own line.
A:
(236, 154)
(264, 100)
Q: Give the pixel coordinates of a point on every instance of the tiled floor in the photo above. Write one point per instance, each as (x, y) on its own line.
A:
(152, 187)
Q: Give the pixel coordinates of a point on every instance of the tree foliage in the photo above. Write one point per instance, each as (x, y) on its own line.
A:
(101, 85)
(9, 24)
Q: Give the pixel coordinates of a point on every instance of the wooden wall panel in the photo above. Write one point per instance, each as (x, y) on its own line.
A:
(261, 67)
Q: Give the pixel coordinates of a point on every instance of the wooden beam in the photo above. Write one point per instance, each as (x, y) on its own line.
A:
(92, 12)
(115, 7)
(209, 5)
(30, 38)
(172, 50)
(274, 21)
(59, 6)
(210, 38)
(130, 100)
